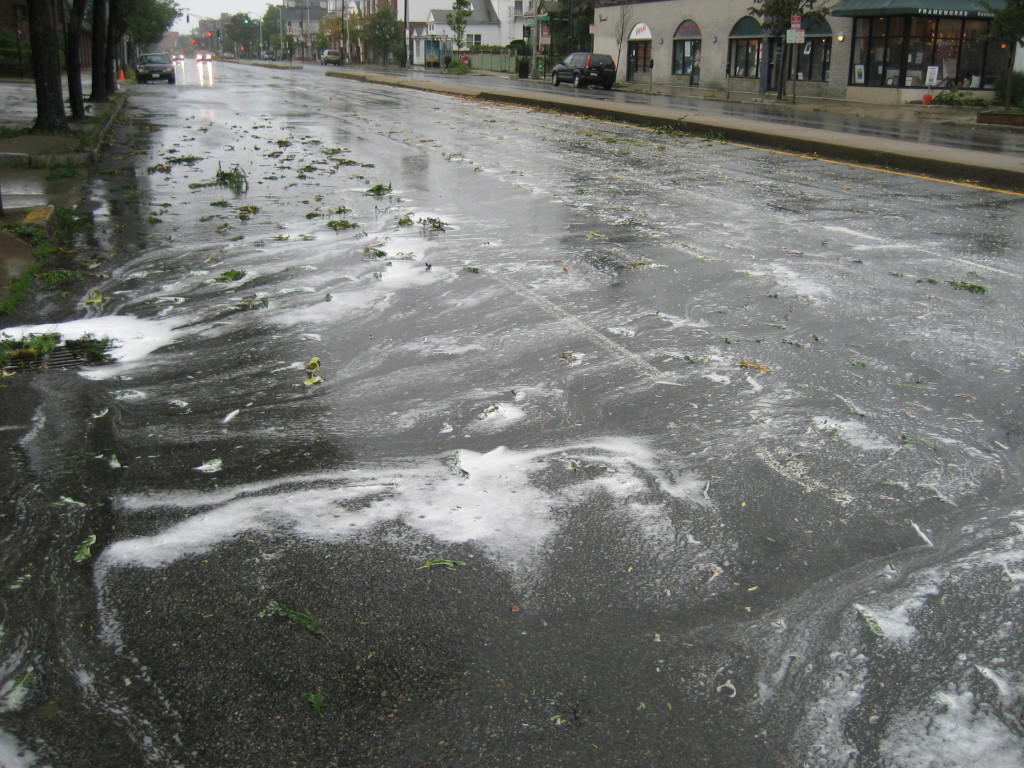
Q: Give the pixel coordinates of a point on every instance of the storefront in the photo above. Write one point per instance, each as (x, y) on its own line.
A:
(686, 52)
(639, 56)
(937, 44)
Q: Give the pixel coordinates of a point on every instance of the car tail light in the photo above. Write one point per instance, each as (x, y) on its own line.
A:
(587, 65)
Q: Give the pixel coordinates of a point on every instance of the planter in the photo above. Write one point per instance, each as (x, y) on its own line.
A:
(993, 117)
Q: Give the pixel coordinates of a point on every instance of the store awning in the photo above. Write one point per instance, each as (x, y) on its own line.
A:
(971, 9)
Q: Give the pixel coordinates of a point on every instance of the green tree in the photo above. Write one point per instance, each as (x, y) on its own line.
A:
(775, 18)
(147, 20)
(384, 36)
(1007, 23)
(456, 18)
(241, 31)
(273, 38)
(333, 28)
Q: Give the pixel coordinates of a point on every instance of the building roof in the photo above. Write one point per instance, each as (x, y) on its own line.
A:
(483, 13)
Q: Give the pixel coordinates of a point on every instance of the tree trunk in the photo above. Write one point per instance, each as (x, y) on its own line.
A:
(113, 38)
(73, 47)
(1008, 91)
(42, 34)
(100, 92)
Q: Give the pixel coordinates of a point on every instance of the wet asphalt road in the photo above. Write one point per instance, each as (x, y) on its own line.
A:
(727, 444)
(935, 126)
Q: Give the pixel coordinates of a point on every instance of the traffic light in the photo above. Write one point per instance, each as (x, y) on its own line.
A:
(209, 34)
(218, 34)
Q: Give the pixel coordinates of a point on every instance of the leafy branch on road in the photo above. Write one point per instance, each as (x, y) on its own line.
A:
(233, 179)
(300, 616)
(451, 565)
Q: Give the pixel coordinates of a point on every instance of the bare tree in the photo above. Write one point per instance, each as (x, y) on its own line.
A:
(42, 35)
(622, 29)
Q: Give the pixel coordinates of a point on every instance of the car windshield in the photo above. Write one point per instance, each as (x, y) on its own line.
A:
(154, 58)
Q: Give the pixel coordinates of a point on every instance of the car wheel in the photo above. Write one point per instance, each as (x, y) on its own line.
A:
(554, 79)
(170, 80)
(607, 86)
(577, 82)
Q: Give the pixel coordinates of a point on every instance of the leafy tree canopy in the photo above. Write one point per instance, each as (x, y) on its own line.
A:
(147, 20)
(775, 14)
(1007, 21)
(456, 19)
(242, 30)
(384, 34)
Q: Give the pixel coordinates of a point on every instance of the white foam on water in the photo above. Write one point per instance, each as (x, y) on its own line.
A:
(14, 755)
(498, 416)
(134, 338)
(855, 433)
(486, 498)
(957, 732)
(789, 278)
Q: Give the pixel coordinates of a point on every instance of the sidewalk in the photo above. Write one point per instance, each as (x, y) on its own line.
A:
(27, 191)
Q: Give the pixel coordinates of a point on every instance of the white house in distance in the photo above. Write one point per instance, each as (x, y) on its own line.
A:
(492, 22)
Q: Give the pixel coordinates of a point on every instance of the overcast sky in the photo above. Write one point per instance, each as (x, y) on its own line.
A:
(212, 9)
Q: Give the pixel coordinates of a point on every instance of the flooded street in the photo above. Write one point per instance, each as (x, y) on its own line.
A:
(445, 433)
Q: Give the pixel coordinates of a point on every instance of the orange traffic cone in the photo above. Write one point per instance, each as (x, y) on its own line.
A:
(120, 74)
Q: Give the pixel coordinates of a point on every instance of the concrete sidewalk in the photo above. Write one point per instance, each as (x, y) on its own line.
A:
(24, 150)
(989, 169)
(28, 191)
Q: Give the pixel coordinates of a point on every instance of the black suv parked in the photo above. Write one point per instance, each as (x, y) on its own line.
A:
(583, 68)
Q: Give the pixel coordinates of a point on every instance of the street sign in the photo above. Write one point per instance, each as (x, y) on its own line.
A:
(794, 21)
(795, 35)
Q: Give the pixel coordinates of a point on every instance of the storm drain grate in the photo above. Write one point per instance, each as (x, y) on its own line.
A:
(60, 358)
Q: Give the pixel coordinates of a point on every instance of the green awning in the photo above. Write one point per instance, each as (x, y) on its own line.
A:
(971, 9)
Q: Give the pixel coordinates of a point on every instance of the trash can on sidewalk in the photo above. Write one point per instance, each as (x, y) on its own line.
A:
(524, 68)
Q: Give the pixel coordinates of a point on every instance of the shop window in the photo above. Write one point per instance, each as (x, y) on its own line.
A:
(746, 46)
(972, 54)
(686, 51)
(745, 58)
(813, 60)
(897, 52)
(920, 52)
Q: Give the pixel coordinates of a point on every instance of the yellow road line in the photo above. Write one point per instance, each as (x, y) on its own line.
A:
(877, 168)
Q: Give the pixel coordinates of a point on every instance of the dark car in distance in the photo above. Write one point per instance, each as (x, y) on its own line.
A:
(583, 69)
(154, 66)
